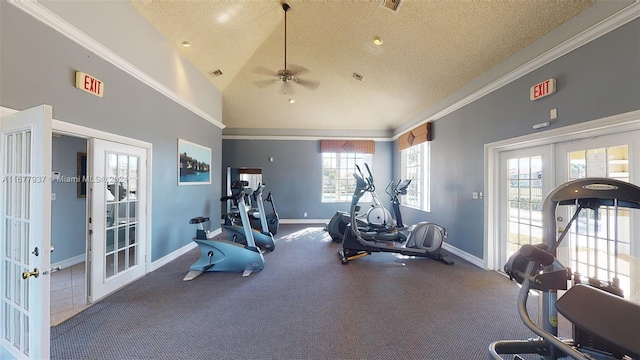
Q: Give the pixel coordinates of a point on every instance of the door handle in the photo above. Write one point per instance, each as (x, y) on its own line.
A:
(28, 274)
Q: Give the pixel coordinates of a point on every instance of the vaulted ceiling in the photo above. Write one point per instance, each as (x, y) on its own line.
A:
(429, 50)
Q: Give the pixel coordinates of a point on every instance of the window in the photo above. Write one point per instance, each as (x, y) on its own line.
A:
(338, 183)
(415, 166)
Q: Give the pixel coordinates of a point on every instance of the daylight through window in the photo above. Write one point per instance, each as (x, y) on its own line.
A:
(338, 183)
(415, 166)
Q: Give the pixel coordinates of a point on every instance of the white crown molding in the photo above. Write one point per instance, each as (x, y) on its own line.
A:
(44, 15)
(604, 27)
(304, 138)
(54, 21)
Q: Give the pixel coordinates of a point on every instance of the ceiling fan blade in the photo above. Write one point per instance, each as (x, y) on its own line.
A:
(297, 69)
(261, 70)
(264, 83)
(309, 84)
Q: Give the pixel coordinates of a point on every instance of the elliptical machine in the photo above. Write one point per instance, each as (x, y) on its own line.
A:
(396, 190)
(424, 239)
(377, 218)
(605, 325)
(225, 255)
(234, 223)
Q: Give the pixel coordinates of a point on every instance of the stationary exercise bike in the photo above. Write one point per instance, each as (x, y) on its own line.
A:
(605, 325)
(234, 223)
(423, 239)
(259, 218)
(226, 255)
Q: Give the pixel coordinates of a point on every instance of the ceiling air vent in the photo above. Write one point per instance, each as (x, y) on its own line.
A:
(357, 76)
(215, 72)
(391, 5)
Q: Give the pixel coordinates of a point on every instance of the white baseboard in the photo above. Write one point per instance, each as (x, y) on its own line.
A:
(304, 221)
(465, 255)
(70, 261)
(176, 254)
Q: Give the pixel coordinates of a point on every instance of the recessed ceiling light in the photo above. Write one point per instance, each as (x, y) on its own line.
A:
(187, 43)
(291, 101)
(377, 40)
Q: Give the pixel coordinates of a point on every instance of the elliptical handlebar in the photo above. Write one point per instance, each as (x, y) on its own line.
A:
(370, 178)
(399, 188)
(393, 189)
(365, 183)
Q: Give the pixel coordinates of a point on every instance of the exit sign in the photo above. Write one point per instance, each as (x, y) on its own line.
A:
(542, 89)
(89, 84)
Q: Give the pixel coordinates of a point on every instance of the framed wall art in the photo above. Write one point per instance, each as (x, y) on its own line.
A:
(194, 163)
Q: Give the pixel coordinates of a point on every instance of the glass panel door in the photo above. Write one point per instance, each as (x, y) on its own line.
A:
(602, 244)
(25, 216)
(526, 178)
(121, 206)
(118, 221)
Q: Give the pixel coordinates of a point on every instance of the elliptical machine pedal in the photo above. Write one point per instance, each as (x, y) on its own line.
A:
(345, 259)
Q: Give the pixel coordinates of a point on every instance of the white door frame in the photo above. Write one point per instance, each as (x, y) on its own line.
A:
(604, 126)
(65, 128)
(74, 130)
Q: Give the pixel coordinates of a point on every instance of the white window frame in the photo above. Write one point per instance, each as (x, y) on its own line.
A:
(420, 188)
(345, 165)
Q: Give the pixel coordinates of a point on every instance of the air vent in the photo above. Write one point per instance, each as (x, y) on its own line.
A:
(391, 5)
(357, 76)
(215, 72)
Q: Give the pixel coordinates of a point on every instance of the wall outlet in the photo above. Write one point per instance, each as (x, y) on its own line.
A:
(53, 196)
(305, 214)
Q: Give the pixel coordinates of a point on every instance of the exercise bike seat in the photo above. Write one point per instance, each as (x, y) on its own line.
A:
(608, 317)
(198, 220)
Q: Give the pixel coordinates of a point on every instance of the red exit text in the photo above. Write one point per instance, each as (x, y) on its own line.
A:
(89, 84)
(542, 89)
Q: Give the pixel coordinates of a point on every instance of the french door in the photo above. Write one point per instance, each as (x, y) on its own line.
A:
(603, 244)
(25, 230)
(526, 178)
(118, 218)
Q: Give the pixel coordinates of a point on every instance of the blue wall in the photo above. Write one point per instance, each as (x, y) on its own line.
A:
(68, 211)
(295, 175)
(597, 80)
(38, 65)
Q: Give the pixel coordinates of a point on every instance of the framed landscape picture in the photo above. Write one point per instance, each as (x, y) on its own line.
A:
(194, 163)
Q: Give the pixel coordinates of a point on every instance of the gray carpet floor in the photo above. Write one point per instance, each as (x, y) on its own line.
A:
(304, 305)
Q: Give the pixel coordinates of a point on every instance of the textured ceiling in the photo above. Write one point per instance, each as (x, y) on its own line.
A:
(430, 49)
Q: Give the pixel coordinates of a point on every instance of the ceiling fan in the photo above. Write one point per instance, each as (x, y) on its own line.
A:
(289, 75)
